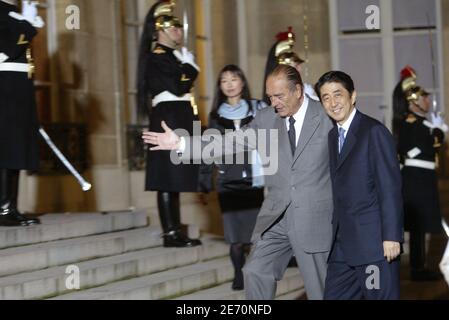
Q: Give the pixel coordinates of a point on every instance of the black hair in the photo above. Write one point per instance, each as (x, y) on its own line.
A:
(221, 98)
(335, 76)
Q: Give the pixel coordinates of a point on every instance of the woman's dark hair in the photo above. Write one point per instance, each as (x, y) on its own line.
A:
(335, 76)
(145, 49)
(221, 98)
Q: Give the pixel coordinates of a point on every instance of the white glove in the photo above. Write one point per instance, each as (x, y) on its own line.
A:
(29, 10)
(438, 122)
(30, 14)
(185, 56)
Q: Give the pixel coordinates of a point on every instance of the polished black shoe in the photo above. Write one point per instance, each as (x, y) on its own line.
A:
(13, 218)
(175, 239)
(29, 221)
(425, 275)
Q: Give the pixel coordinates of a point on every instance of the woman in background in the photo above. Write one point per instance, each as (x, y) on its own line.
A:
(239, 186)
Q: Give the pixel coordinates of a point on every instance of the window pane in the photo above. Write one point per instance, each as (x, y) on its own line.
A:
(415, 51)
(372, 106)
(362, 59)
(413, 13)
(352, 14)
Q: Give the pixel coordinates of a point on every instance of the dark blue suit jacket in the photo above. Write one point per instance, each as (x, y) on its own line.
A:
(366, 184)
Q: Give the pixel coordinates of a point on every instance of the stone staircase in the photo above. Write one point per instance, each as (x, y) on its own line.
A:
(115, 256)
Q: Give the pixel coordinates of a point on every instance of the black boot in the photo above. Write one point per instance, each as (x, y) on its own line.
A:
(237, 254)
(169, 214)
(418, 270)
(9, 214)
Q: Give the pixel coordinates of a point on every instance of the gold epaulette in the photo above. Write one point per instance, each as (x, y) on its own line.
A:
(159, 50)
(437, 143)
(410, 119)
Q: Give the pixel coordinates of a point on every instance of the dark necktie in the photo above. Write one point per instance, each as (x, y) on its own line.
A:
(292, 134)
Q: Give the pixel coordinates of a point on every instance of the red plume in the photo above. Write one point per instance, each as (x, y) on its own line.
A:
(408, 72)
(282, 36)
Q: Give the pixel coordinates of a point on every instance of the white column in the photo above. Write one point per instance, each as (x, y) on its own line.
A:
(386, 9)
(242, 32)
(334, 34)
(439, 51)
(209, 69)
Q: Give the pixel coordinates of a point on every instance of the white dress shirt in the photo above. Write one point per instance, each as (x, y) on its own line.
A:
(347, 124)
(299, 118)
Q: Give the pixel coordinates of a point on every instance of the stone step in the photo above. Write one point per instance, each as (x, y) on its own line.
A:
(291, 282)
(63, 252)
(295, 295)
(98, 272)
(163, 285)
(66, 226)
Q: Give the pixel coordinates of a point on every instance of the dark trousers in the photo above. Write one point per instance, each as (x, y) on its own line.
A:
(376, 281)
(417, 250)
(9, 188)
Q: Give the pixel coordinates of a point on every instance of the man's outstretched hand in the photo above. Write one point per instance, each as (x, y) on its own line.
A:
(162, 141)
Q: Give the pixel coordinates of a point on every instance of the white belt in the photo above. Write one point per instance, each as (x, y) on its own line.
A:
(420, 164)
(15, 67)
(168, 96)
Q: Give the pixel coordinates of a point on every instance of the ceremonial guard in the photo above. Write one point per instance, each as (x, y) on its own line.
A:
(419, 141)
(18, 114)
(165, 79)
(282, 53)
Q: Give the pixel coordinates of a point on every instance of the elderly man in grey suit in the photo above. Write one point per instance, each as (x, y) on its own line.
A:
(295, 217)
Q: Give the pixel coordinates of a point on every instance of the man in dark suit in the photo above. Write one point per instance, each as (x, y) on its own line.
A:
(296, 214)
(366, 183)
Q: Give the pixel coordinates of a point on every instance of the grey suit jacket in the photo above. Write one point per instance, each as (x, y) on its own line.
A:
(301, 184)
